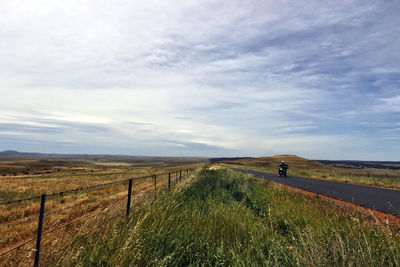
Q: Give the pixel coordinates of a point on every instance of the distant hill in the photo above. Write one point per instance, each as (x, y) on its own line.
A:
(300, 164)
(15, 155)
(12, 153)
(227, 159)
(273, 162)
(358, 164)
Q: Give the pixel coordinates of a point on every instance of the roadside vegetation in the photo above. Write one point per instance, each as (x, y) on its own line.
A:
(220, 217)
(309, 168)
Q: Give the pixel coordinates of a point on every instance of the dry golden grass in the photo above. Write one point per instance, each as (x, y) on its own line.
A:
(18, 221)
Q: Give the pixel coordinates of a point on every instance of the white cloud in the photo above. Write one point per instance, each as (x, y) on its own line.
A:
(391, 104)
(176, 75)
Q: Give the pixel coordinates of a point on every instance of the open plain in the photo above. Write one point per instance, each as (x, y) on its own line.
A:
(77, 191)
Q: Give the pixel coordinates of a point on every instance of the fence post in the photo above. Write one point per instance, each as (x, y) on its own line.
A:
(169, 181)
(128, 204)
(39, 231)
(155, 187)
(180, 175)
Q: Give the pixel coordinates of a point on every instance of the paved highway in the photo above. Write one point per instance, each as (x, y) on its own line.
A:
(381, 199)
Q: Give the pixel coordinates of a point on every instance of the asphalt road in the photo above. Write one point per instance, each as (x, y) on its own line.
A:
(381, 199)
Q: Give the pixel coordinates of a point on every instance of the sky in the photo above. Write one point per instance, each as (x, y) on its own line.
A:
(318, 79)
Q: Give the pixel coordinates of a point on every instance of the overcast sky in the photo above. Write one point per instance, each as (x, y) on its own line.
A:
(319, 79)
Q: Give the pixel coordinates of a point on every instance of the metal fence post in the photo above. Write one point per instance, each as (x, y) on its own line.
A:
(155, 187)
(169, 181)
(128, 204)
(39, 231)
(180, 175)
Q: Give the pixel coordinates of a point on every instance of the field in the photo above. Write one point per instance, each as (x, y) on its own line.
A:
(219, 217)
(309, 168)
(16, 164)
(212, 216)
(72, 212)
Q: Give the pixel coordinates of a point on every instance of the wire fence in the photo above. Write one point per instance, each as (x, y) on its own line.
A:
(84, 188)
(83, 209)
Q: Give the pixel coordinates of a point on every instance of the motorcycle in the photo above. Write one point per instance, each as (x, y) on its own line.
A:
(282, 172)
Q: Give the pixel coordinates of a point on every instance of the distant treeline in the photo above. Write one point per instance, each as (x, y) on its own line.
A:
(227, 159)
(354, 164)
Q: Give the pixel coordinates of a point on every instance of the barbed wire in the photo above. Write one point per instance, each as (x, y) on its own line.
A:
(90, 201)
(43, 176)
(90, 214)
(61, 226)
(31, 217)
(17, 247)
(88, 187)
(84, 234)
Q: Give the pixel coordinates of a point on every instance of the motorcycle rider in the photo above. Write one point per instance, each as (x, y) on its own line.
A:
(284, 166)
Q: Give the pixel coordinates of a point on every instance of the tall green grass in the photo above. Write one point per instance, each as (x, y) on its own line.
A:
(225, 218)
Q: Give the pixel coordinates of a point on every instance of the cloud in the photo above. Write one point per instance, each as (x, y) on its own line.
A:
(199, 77)
(391, 104)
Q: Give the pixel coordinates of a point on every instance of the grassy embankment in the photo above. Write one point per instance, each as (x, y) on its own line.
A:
(225, 218)
(309, 168)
